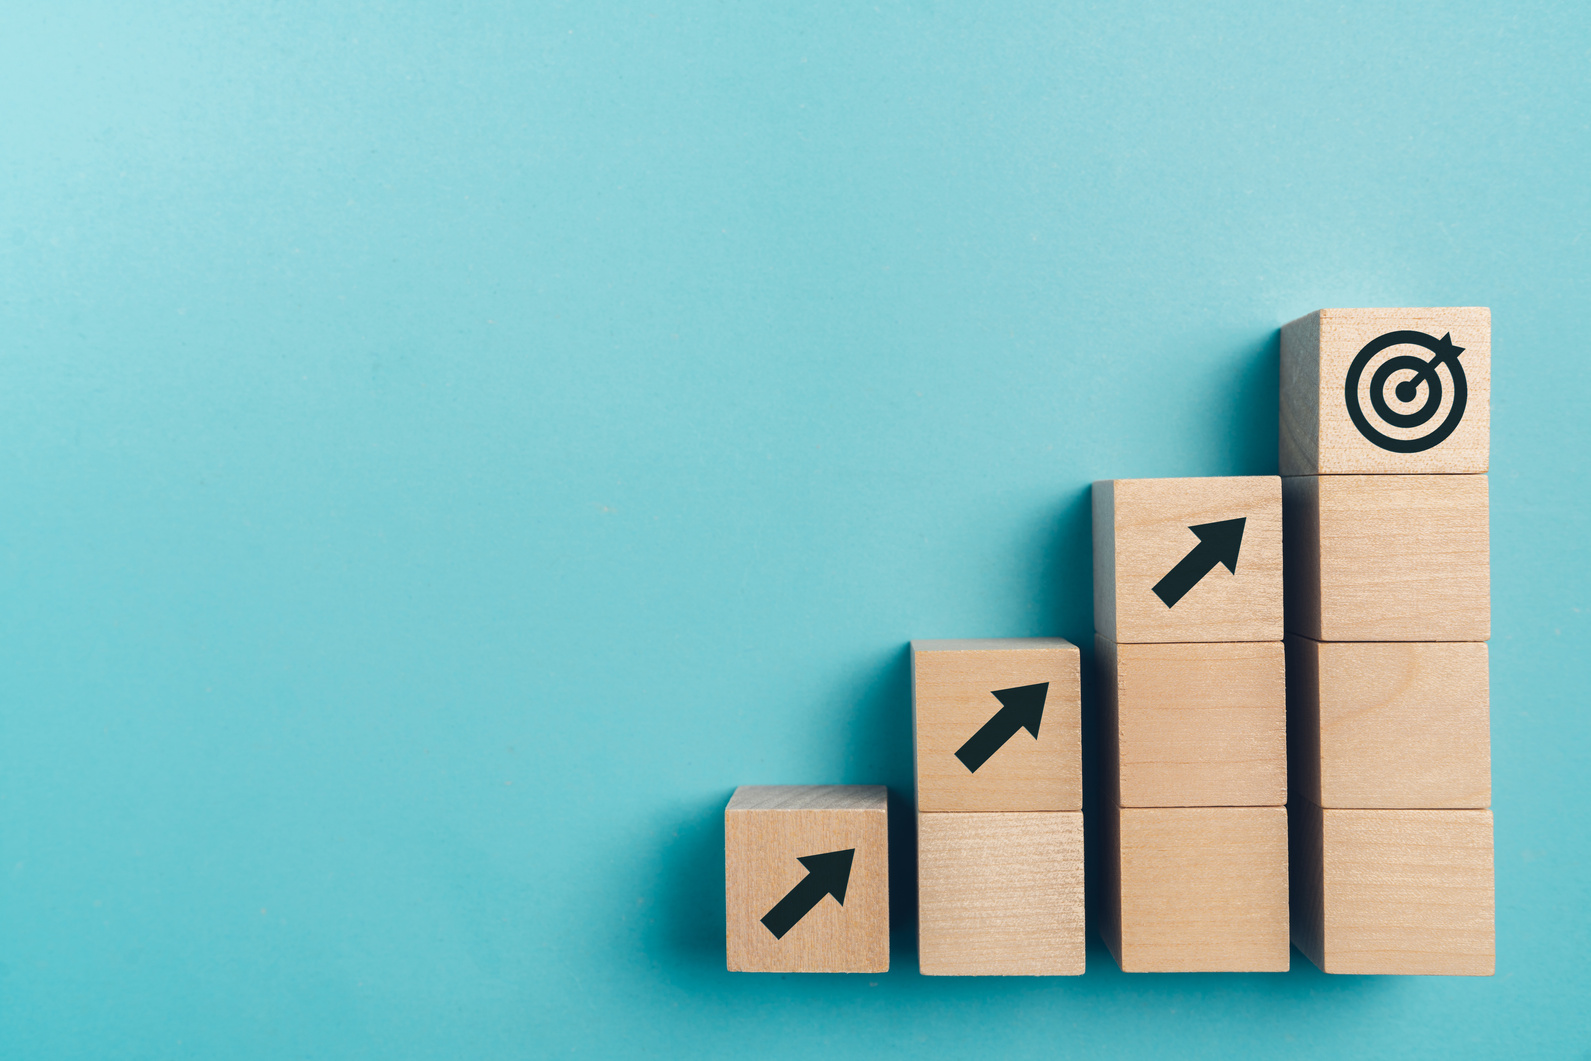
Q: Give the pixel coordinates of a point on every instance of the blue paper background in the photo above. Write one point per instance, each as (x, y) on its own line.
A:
(445, 448)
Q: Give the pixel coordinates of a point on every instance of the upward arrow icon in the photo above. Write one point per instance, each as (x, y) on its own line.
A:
(1218, 544)
(1021, 708)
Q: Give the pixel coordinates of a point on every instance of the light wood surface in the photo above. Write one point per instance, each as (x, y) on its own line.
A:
(1141, 532)
(1394, 892)
(767, 829)
(1389, 725)
(1196, 725)
(1201, 889)
(953, 685)
(1388, 557)
(1001, 894)
(1318, 435)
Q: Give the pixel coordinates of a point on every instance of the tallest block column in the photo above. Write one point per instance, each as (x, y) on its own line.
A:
(1385, 424)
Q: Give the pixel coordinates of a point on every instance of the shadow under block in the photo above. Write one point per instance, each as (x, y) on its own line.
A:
(1145, 537)
(1394, 892)
(1388, 725)
(970, 695)
(1196, 889)
(1318, 431)
(1388, 557)
(1000, 894)
(1193, 725)
(833, 912)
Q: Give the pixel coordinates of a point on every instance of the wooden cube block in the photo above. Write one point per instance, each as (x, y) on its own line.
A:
(806, 879)
(1388, 725)
(1193, 725)
(1405, 892)
(1001, 894)
(1188, 559)
(1388, 557)
(1386, 390)
(1198, 889)
(997, 724)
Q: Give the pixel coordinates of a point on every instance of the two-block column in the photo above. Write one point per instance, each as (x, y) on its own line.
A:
(997, 727)
(1384, 445)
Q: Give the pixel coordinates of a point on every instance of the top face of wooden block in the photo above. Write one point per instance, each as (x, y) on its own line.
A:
(1186, 560)
(809, 797)
(1386, 391)
(998, 725)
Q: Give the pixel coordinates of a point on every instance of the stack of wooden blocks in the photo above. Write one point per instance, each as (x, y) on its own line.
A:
(997, 727)
(1384, 446)
(1188, 620)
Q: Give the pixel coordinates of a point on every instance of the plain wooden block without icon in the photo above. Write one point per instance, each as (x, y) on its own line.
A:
(1179, 560)
(1394, 892)
(1386, 391)
(1196, 889)
(997, 724)
(806, 879)
(1193, 725)
(1389, 725)
(1000, 894)
(1388, 557)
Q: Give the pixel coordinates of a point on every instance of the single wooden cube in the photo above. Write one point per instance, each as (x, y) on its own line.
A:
(1188, 559)
(1386, 390)
(997, 724)
(1193, 725)
(1388, 557)
(806, 879)
(1389, 725)
(1000, 894)
(1196, 889)
(1396, 892)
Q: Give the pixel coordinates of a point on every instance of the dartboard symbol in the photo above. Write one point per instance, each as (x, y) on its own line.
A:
(1415, 387)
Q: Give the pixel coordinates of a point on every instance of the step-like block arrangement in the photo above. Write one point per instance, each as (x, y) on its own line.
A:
(1395, 891)
(1385, 421)
(1192, 675)
(1002, 893)
(1198, 889)
(999, 800)
(1333, 354)
(806, 879)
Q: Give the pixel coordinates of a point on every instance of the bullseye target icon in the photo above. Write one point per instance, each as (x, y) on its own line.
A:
(1414, 401)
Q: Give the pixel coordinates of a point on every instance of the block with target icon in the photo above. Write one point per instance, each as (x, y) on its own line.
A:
(806, 879)
(1184, 560)
(1388, 557)
(997, 724)
(1386, 391)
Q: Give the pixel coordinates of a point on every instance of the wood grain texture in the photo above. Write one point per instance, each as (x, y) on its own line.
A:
(1388, 557)
(953, 684)
(1389, 725)
(1317, 435)
(1141, 533)
(1394, 892)
(766, 830)
(1198, 725)
(1001, 894)
(1201, 889)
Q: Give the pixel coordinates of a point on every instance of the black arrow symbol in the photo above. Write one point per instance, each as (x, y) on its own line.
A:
(1218, 544)
(826, 875)
(1022, 708)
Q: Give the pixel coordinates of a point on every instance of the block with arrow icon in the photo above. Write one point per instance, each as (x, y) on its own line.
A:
(997, 724)
(1179, 560)
(806, 879)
